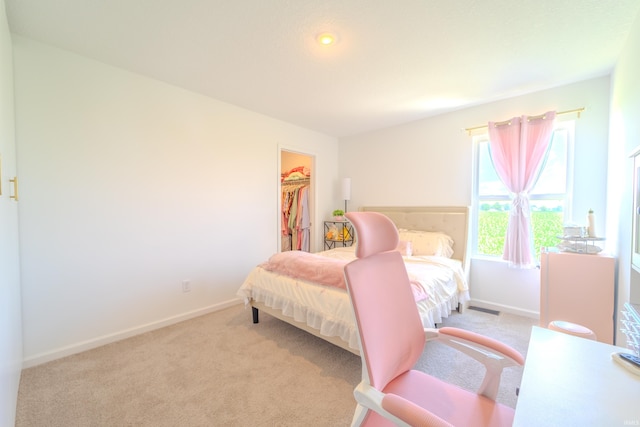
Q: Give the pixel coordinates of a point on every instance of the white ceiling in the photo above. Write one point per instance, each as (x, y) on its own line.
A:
(396, 60)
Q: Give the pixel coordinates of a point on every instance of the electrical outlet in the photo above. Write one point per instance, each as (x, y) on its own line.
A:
(186, 286)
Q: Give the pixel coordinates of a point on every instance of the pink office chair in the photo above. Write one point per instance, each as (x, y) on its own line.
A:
(392, 339)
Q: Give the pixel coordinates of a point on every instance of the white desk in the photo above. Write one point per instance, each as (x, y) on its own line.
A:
(570, 381)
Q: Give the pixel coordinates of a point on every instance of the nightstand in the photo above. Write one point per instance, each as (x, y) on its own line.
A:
(338, 234)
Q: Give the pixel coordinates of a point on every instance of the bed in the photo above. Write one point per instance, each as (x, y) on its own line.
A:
(319, 305)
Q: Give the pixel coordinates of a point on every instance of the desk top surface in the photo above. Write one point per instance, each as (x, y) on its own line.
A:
(574, 381)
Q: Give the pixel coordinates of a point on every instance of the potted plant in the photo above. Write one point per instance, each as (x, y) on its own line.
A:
(338, 215)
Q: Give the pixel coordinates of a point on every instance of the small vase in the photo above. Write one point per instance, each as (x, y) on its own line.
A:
(338, 218)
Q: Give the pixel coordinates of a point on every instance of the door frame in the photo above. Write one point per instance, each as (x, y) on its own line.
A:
(313, 198)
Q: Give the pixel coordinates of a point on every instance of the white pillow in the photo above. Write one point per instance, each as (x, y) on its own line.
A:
(428, 242)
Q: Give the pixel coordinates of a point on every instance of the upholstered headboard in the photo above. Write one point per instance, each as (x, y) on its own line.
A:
(451, 220)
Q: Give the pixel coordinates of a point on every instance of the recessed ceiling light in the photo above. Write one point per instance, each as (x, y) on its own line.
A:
(327, 39)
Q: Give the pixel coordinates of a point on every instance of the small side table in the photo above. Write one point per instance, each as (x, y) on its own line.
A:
(338, 234)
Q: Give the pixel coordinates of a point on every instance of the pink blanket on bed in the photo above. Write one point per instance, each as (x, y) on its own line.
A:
(320, 269)
(308, 266)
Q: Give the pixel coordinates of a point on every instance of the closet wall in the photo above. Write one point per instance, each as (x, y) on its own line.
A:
(292, 240)
(123, 201)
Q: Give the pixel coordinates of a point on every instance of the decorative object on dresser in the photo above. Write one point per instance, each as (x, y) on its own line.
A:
(581, 240)
(580, 289)
(591, 224)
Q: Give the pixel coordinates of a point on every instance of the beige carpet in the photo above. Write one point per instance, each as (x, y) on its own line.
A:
(222, 370)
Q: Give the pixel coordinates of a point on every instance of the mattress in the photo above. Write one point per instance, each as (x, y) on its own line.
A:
(439, 285)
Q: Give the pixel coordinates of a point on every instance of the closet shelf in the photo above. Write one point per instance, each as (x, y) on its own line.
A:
(305, 181)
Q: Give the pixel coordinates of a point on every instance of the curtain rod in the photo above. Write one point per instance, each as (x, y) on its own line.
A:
(576, 110)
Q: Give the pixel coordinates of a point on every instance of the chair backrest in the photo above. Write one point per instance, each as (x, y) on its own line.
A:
(375, 233)
(391, 333)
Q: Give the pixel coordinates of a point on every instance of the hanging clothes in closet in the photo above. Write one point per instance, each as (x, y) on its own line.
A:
(296, 220)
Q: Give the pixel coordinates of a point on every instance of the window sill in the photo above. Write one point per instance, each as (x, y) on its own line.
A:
(496, 260)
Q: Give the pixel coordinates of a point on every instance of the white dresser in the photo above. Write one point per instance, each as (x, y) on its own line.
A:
(578, 288)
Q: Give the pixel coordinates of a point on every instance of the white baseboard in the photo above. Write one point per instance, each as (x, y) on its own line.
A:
(128, 333)
(505, 308)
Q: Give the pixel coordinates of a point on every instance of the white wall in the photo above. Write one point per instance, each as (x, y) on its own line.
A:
(126, 191)
(624, 138)
(129, 187)
(10, 306)
(429, 162)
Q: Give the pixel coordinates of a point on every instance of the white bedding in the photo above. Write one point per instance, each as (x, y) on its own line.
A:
(328, 310)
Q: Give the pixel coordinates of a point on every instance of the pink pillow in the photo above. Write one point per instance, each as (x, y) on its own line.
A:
(405, 248)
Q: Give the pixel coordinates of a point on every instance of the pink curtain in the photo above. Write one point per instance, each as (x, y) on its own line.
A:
(518, 149)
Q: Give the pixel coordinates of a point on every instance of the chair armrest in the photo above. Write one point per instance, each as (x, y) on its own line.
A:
(369, 398)
(411, 413)
(485, 342)
(400, 411)
(493, 354)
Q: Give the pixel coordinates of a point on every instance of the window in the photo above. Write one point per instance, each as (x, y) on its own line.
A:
(550, 200)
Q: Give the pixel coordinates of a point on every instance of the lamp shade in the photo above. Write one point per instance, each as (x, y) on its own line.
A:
(346, 188)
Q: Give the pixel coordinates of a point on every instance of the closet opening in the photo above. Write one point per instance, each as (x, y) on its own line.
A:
(296, 201)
